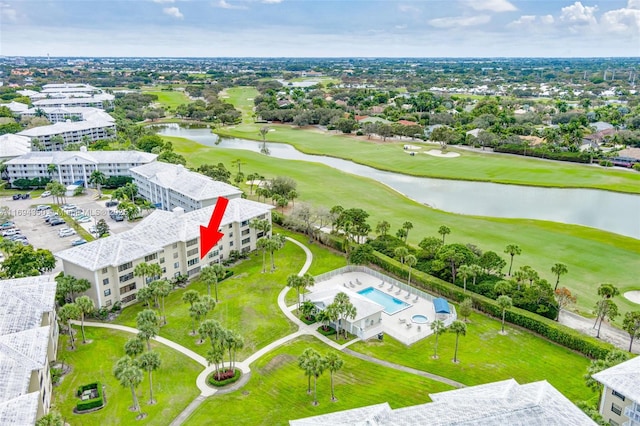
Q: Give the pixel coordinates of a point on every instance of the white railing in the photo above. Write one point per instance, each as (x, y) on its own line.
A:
(633, 413)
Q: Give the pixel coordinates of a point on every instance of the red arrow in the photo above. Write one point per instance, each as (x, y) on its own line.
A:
(209, 235)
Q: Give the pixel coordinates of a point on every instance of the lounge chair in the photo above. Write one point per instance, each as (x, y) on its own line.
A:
(391, 288)
(407, 296)
(409, 325)
(358, 281)
(416, 299)
(402, 320)
(344, 284)
(419, 328)
(381, 284)
(351, 284)
(399, 291)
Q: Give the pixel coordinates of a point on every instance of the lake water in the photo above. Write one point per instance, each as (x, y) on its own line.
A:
(609, 211)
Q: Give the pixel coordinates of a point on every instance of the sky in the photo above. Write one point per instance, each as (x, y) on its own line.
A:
(320, 28)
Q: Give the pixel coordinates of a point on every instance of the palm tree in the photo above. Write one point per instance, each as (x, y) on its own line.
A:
(209, 303)
(263, 244)
(349, 312)
(142, 270)
(147, 324)
(444, 231)
(164, 289)
(464, 271)
(512, 250)
(304, 362)
(333, 363)
(559, 269)
(295, 281)
(98, 179)
(191, 297)
(263, 132)
(407, 226)
(505, 304)
(133, 347)
(86, 306)
(197, 311)
(410, 260)
(502, 287)
(150, 361)
(438, 328)
(383, 227)
(400, 253)
(66, 314)
(459, 328)
(129, 375)
(323, 318)
(215, 356)
(277, 242)
(51, 169)
(210, 276)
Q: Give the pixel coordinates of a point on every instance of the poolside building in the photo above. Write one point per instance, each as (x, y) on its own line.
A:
(498, 403)
(620, 402)
(28, 343)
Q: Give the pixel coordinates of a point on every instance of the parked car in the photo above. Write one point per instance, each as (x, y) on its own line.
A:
(17, 196)
(25, 196)
(45, 194)
(42, 207)
(115, 215)
(57, 221)
(51, 216)
(83, 219)
(78, 242)
(16, 237)
(10, 232)
(111, 203)
(66, 232)
(7, 225)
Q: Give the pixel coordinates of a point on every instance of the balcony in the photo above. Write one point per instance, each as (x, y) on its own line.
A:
(633, 412)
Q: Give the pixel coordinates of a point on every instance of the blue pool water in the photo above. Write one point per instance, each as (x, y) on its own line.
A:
(420, 319)
(390, 303)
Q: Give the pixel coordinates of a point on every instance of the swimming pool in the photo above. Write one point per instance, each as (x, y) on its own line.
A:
(420, 319)
(390, 303)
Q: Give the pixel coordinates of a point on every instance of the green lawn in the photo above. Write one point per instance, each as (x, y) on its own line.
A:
(592, 256)
(170, 99)
(276, 392)
(173, 385)
(248, 304)
(487, 356)
(242, 98)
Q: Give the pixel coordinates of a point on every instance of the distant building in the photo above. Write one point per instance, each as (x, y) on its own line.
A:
(499, 403)
(73, 166)
(169, 239)
(170, 185)
(100, 100)
(71, 132)
(16, 107)
(12, 146)
(620, 402)
(28, 343)
(56, 115)
(70, 88)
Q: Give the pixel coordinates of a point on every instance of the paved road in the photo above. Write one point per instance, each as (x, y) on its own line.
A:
(608, 333)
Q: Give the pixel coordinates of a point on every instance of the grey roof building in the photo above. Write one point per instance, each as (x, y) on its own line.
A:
(12, 146)
(620, 403)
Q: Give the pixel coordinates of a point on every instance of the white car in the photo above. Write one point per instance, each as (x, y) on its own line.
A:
(10, 232)
(66, 232)
(83, 219)
(42, 207)
(45, 194)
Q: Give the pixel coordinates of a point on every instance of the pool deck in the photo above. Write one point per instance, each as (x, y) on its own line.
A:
(399, 324)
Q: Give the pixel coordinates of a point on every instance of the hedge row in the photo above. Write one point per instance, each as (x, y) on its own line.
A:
(91, 403)
(576, 157)
(558, 333)
(236, 375)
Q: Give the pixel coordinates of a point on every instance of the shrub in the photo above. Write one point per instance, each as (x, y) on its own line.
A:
(307, 321)
(558, 333)
(226, 378)
(636, 167)
(328, 332)
(91, 403)
(605, 163)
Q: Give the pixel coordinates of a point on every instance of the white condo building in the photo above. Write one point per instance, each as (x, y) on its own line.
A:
(73, 166)
(55, 115)
(99, 100)
(71, 132)
(69, 88)
(620, 403)
(170, 185)
(170, 239)
(12, 146)
(28, 343)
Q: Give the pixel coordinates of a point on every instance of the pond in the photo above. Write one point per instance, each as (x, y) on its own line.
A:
(609, 211)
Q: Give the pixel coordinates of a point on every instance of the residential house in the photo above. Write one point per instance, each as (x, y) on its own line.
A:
(28, 343)
(620, 401)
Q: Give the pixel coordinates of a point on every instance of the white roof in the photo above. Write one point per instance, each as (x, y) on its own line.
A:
(499, 403)
(64, 127)
(364, 307)
(28, 92)
(16, 106)
(363, 416)
(14, 145)
(84, 157)
(56, 86)
(87, 113)
(77, 99)
(155, 232)
(624, 378)
(23, 301)
(21, 410)
(194, 185)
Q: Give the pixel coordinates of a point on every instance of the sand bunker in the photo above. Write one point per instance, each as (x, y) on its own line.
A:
(249, 99)
(633, 296)
(413, 147)
(438, 153)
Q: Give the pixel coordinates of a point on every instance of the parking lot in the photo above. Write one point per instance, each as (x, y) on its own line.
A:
(42, 235)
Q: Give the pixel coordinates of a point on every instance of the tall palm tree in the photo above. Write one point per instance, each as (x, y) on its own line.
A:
(464, 271)
(438, 328)
(304, 362)
(66, 314)
(150, 361)
(559, 269)
(133, 347)
(407, 226)
(190, 297)
(147, 325)
(444, 231)
(505, 304)
(383, 227)
(277, 243)
(512, 250)
(129, 375)
(316, 365)
(333, 363)
(476, 270)
(85, 306)
(400, 253)
(98, 179)
(210, 276)
(51, 169)
(459, 328)
(410, 260)
(295, 281)
(196, 312)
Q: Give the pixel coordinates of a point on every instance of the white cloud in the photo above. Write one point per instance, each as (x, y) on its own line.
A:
(577, 13)
(271, 1)
(173, 11)
(459, 21)
(633, 4)
(224, 5)
(491, 5)
(7, 13)
(547, 19)
(405, 8)
(164, 1)
(622, 21)
(531, 21)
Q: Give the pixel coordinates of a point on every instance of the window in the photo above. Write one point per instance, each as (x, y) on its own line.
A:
(192, 252)
(127, 288)
(244, 223)
(246, 241)
(175, 255)
(613, 423)
(105, 281)
(128, 298)
(125, 266)
(619, 395)
(616, 409)
(164, 270)
(246, 232)
(231, 226)
(108, 303)
(162, 260)
(107, 292)
(126, 277)
(193, 262)
(231, 244)
(230, 234)
(151, 257)
(175, 245)
(105, 270)
(193, 271)
(192, 242)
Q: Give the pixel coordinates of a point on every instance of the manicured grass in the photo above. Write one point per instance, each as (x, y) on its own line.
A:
(242, 98)
(170, 99)
(248, 304)
(592, 256)
(277, 390)
(477, 166)
(173, 384)
(487, 356)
